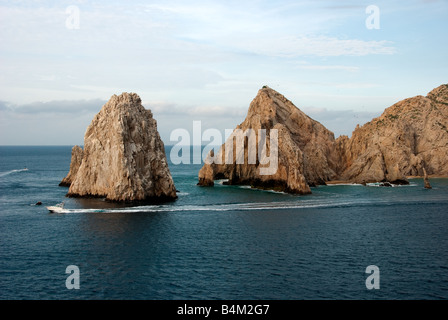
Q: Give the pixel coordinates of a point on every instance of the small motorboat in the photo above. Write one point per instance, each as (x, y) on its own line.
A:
(57, 208)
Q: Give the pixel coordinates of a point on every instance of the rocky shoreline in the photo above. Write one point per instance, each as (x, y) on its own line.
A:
(124, 158)
(409, 138)
(342, 182)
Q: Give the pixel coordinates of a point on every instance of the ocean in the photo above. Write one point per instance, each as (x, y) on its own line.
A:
(225, 242)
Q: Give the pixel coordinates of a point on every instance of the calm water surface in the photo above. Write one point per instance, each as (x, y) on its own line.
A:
(224, 242)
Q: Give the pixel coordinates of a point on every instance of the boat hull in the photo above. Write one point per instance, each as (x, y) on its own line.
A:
(54, 209)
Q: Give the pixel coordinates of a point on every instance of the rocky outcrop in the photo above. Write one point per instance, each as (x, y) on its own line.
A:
(426, 180)
(124, 158)
(409, 136)
(305, 147)
(75, 163)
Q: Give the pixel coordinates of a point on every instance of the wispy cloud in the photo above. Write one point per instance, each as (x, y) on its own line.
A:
(321, 46)
(54, 107)
(326, 68)
(206, 59)
(161, 108)
(284, 29)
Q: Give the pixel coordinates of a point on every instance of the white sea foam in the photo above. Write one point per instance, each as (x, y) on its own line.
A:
(326, 200)
(2, 174)
(263, 190)
(217, 207)
(380, 184)
(343, 184)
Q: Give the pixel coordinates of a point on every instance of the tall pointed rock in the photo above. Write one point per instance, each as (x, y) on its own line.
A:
(306, 154)
(124, 157)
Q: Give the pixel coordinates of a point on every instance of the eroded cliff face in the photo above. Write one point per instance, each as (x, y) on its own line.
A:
(409, 136)
(124, 158)
(306, 154)
(75, 163)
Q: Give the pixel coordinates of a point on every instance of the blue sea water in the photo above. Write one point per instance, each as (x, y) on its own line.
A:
(225, 242)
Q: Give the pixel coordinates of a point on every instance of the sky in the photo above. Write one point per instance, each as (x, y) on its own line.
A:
(338, 61)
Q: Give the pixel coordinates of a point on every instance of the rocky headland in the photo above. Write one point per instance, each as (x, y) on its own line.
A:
(410, 136)
(123, 158)
(306, 154)
(408, 139)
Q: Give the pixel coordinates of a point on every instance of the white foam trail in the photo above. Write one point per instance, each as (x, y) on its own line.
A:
(378, 184)
(217, 207)
(342, 184)
(2, 174)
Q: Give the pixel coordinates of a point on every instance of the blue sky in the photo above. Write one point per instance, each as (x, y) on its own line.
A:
(206, 60)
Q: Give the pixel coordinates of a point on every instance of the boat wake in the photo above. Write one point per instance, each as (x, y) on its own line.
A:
(194, 208)
(2, 174)
(257, 206)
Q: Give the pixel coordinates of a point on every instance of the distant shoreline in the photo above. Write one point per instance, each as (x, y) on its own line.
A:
(434, 176)
(340, 182)
(429, 176)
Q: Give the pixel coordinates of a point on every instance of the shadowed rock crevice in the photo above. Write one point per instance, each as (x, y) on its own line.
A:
(75, 163)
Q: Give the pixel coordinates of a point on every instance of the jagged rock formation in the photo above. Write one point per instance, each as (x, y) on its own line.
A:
(426, 180)
(124, 158)
(409, 136)
(75, 163)
(306, 154)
